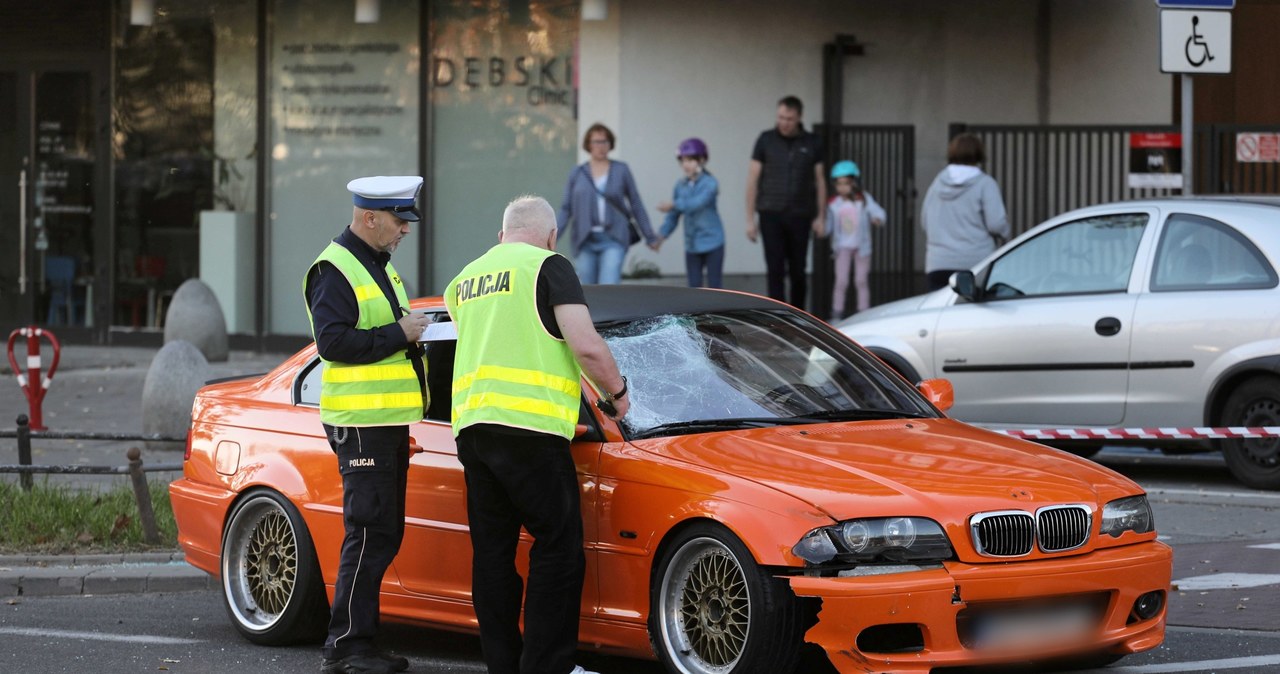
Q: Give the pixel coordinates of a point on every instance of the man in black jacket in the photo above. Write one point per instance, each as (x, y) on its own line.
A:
(787, 188)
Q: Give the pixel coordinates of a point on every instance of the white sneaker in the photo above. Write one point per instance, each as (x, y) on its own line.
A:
(577, 669)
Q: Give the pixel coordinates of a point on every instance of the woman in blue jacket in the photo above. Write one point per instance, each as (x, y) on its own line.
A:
(694, 197)
(601, 211)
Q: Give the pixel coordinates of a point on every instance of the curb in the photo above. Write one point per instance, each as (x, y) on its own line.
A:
(54, 575)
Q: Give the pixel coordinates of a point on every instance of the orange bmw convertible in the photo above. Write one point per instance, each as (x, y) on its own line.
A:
(773, 484)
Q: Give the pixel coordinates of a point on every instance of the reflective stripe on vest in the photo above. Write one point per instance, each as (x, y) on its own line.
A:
(508, 369)
(385, 393)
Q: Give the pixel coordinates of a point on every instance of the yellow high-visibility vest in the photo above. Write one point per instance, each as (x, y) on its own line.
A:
(385, 393)
(508, 369)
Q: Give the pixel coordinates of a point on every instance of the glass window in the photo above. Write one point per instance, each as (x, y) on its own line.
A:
(503, 90)
(1197, 253)
(1094, 255)
(184, 119)
(307, 386)
(63, 198)
(764, 367)
(344, 96)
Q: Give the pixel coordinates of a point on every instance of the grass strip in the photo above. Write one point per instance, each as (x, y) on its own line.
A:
(59, 520)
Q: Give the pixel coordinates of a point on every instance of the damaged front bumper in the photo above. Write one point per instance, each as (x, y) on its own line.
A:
(915, 621)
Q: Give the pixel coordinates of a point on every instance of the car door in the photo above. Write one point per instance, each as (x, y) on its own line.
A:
(1211, 294)
(1047, 342)
(435, 556)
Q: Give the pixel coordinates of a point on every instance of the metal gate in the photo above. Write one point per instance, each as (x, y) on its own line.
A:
(1224, 172)
(886, 156)
(1046, 170)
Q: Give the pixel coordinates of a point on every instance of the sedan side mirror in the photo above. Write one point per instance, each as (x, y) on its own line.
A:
(939, 391)
(963, 283)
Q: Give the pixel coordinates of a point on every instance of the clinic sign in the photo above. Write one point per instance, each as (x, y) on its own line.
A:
(1195, 36)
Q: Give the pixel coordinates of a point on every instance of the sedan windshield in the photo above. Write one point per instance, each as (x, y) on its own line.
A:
(749, 368)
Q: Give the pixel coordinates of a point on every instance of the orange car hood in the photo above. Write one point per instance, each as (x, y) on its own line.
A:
(924, 467)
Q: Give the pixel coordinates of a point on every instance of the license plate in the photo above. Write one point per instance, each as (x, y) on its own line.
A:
(1026, 628)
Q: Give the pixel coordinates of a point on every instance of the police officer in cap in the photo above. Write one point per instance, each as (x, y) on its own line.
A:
(372, 389)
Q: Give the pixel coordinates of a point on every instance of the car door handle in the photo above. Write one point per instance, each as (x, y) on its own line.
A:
(1107, 326)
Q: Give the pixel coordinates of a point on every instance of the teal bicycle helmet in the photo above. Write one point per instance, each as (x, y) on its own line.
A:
(845, 168)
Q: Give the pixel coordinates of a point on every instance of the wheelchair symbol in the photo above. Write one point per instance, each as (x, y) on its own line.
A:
(1197, 40)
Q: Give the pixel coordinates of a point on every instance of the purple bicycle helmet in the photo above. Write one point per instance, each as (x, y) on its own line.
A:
(692, 147)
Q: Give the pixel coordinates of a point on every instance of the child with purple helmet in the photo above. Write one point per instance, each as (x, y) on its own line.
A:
(694, 197)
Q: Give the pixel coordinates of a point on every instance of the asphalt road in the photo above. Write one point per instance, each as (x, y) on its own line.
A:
(1224, 612)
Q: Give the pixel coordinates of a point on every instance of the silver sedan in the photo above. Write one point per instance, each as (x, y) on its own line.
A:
(1154, 313)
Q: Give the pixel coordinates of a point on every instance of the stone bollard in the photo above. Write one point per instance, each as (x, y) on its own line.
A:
(176, 373)
(195, 315)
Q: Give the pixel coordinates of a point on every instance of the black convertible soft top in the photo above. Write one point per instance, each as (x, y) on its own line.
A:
(613, 303)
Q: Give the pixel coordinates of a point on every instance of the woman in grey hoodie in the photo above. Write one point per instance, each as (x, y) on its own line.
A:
(963, 215)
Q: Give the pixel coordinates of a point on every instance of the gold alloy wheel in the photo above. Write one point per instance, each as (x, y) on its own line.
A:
(259, 563)
(272, 562)
(705, 607)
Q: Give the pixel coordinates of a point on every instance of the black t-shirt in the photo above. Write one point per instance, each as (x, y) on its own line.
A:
(557, 284)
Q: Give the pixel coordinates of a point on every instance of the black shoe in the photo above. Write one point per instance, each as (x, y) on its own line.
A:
(397, 662)
(359, 663)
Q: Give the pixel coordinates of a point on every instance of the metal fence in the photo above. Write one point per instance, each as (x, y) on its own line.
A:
(1042, 171)
(1046, 170)
(885, 154)
(1223, 173)
(134, 468)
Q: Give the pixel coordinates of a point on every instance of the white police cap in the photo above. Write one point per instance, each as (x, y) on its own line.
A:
(398, 194)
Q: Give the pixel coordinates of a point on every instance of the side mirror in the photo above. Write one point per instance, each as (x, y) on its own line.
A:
(938, 391)
(963, 283)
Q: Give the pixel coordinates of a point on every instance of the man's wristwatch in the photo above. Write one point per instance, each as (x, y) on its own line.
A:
(619, 394)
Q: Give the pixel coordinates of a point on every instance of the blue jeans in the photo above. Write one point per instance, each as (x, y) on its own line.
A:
(713, 260)
(600, 260)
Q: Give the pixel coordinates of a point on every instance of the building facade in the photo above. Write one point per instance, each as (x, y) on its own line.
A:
(155, 141)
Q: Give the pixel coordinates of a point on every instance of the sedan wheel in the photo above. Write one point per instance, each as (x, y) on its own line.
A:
(1254, 461)
(713, 611)
(270, 578)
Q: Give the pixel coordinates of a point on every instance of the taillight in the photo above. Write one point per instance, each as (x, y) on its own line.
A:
(186, 456)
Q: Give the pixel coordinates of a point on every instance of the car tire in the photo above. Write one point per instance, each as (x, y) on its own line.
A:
(713, 610)
(1255, 462)
(898, 364)
(271, 582)
(1083, 450)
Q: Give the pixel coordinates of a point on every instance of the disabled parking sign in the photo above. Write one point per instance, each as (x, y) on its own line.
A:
(1193, 41)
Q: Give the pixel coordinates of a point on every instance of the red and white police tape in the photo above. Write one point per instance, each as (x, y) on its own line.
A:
(1162, 433)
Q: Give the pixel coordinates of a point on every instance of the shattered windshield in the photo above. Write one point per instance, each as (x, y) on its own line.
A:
(749, 367)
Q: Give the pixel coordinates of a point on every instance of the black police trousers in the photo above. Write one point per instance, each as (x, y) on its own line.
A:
(374, 463)
(524, 480)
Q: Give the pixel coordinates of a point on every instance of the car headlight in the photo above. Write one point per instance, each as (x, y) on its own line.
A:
(1127, 514)
(880, 539)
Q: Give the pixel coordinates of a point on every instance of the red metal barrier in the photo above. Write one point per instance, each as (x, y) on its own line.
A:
(33, 385)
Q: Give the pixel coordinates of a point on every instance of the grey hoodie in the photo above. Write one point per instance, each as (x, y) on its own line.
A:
(963, 216)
